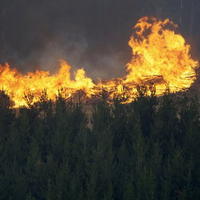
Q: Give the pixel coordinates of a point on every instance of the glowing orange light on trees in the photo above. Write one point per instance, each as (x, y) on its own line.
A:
(160, 57)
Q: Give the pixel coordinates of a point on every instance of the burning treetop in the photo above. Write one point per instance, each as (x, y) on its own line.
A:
(160, 57)
(159, 53)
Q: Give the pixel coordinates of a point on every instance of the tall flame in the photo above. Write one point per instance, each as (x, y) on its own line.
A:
(160, 57)
(160, 54)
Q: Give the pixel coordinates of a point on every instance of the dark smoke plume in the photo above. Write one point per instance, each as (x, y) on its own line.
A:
(92, 33)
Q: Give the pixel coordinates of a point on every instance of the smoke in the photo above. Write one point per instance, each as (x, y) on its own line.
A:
(92, 34)
(36, 34)
(76, 51)
(68, 47)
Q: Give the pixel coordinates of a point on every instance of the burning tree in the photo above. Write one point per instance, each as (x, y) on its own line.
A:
(160, 57)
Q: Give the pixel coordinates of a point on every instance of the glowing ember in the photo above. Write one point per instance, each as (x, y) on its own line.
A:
(160, 58)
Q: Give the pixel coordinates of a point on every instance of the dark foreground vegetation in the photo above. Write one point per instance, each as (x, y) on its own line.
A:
(146, 150)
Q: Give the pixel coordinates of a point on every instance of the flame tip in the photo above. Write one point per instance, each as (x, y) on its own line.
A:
(160, 58)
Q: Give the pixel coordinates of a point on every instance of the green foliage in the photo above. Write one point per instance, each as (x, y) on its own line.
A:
(145, 150)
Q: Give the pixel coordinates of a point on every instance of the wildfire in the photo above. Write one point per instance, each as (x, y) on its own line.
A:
(160, 57)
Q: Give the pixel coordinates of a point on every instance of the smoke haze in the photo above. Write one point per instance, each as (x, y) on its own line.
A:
(92, 34)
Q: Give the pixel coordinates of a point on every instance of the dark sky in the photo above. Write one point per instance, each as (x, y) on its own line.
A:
(88, 33)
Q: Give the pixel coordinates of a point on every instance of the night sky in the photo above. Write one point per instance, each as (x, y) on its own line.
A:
(92, 34)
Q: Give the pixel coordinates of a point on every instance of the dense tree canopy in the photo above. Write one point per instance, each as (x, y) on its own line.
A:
(148, 149)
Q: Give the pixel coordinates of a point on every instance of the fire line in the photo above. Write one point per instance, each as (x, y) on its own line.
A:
(160, 57)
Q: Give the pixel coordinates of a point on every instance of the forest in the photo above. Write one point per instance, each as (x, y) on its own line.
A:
(79, 149)
(144, 150)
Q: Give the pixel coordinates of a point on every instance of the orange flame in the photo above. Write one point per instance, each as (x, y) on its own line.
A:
(160, 53)
(160, 57)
